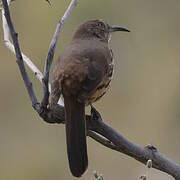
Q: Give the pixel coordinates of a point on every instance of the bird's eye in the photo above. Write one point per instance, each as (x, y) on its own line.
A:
(101, 26)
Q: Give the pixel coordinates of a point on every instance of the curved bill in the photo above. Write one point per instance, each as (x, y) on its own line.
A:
(115, 28)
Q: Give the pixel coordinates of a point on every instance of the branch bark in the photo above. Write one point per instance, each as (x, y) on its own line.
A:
(18, 53)
(96, 128)
(51, 51)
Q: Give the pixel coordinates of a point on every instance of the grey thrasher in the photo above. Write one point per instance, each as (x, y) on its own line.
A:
(82, 74)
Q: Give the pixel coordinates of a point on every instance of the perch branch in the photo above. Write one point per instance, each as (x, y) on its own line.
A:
(101, 140)
(96, 128)
(142, 154)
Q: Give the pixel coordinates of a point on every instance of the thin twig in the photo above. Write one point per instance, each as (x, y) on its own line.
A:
(51, 51)
(10, 46)
(49, 2)
(19, 57)
(148, 167)
(97, 176)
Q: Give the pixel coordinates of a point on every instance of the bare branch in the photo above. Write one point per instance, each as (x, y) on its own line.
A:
(19, 57)
(112, 139)
(142, 154)
(51, 51)
(101, 140)
(26, 59)
(10, 46)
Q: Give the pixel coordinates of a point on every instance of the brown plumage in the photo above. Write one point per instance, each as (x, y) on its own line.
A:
(82, 73)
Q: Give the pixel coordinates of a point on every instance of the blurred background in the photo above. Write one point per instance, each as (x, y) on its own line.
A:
(143, 102)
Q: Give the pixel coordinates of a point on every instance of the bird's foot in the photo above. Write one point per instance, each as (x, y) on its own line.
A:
(94, 120)
(95, 115)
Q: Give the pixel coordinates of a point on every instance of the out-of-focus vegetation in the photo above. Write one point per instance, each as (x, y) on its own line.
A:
(143, 102)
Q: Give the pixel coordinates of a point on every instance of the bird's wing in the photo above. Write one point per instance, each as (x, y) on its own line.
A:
(94, 76)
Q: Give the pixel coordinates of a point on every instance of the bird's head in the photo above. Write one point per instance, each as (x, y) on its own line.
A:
(97, 29)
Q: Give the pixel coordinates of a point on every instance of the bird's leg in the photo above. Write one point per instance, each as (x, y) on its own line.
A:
(94, 119)
(95, 115)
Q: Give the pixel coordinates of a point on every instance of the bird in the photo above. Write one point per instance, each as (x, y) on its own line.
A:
(82, 75)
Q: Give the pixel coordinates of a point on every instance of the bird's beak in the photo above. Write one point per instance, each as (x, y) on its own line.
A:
(115, 28)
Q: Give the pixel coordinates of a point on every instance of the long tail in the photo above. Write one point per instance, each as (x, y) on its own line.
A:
(76, 135)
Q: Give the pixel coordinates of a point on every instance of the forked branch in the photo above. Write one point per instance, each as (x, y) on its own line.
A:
(96, 128)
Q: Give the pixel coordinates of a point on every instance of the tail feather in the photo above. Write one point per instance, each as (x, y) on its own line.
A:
(76, 135)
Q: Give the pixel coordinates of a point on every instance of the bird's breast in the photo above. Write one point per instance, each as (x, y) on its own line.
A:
(104, 84)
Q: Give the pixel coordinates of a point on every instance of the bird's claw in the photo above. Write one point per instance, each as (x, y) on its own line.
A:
(95, 115)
